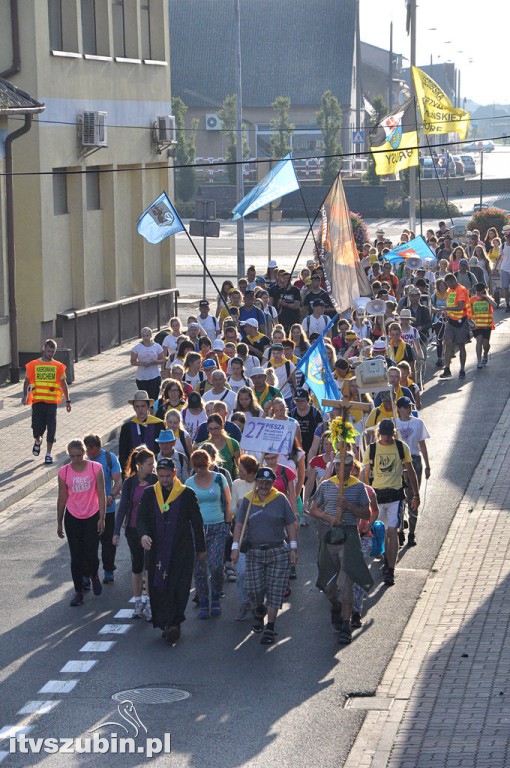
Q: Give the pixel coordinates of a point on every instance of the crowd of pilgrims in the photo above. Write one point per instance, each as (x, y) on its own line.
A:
(200, 383)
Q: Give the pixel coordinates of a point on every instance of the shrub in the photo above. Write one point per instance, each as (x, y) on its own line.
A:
(429, 208)
(488, 217)
(359, 229)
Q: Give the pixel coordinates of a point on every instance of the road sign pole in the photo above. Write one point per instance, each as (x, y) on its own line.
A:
(205, 262)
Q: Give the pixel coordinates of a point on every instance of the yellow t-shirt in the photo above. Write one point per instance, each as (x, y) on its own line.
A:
(377, 414)
(387, 468)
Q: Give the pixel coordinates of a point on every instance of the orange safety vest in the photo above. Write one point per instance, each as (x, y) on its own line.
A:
(453, 296)
(481, 312)
(44, 379)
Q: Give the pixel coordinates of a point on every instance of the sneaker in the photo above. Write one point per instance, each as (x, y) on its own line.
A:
(447, 374)
(204, 609)
(356, 622)
(147, 611)
(411, 540)
(85, 582)
(108, 577)
(215, 605)
(77, 599)
(485, 360)
(345, 636)
(48, 459)
(243, 612)
(138, 611)
(439, 362)
(462, 374)
(479, 366)
(258, 618)
(389, 577)
(97, 587)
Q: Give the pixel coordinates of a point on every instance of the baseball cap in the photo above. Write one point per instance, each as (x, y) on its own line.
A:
(301, 394)
(272, 264)
(258, 372)
(464, 262)
(194, 399)
(194, 325)
(404, 402)
(277, 346)
(209, 363)
(260, 279)
(318, 303)
(203, 303)
(166, 464)
(414, 290)
(265, 473)
(249, 292)
(250, 321)
(348, 458)
(218, 345)
(386, 427)
(473, 261)
(166, 436)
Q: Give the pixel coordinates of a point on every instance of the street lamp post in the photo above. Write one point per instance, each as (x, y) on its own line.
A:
(239, 143)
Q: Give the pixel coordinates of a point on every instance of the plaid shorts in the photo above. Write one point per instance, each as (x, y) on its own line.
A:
(267, 574)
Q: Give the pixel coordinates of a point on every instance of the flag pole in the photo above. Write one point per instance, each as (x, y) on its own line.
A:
(419, 174)
(211, 278)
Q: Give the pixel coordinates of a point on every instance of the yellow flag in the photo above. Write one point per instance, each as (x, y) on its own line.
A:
(394, 141)
(437, 113)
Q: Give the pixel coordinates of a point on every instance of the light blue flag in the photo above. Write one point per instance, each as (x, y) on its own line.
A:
(279, 181)
(415, 248)
(317, 372)
(159, 220)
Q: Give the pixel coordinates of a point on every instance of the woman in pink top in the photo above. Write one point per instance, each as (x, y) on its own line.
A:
(81, 496)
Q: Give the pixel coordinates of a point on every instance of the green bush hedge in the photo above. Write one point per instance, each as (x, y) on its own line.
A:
(489, 217)
(435, 209)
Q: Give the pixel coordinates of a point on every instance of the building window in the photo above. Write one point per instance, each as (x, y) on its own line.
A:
(55, 25)
(145, 22)
(88, 26)
(59, 191)
(93, 189)
(119, 28)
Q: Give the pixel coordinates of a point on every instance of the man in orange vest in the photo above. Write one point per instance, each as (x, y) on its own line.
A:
(457, 328)
(481, 311)
(45, 383)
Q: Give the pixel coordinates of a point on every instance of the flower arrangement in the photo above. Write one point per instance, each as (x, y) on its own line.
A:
(342, 430)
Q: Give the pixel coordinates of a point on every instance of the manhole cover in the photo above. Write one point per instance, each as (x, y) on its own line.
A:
(152, 695)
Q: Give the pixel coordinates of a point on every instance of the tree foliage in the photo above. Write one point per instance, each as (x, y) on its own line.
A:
(329, 120)
(281, 128)
(380, 110)
(185, 152)
(228, 117)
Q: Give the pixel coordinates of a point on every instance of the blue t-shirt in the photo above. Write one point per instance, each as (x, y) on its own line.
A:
(107, 472)
(254, 312)
(210, 499)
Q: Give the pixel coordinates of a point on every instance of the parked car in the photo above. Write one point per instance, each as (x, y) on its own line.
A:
(478, 146)
(459, 165)
(427, 168)
(469, 164)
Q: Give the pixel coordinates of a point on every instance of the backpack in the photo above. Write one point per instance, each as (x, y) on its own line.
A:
(378, 543)
(372, 449)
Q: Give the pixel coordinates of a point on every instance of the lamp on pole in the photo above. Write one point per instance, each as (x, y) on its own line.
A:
(239, 142)
(412, 170)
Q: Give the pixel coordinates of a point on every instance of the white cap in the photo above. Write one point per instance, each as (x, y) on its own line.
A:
(379, 344)
(250, 321)
(258, 372)
(218, 345)
(272, 264)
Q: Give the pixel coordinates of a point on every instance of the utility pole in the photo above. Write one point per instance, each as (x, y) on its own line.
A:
(412, 170)
(390, 86)
(239, 143)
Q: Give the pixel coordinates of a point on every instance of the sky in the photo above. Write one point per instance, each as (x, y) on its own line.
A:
(472, 35)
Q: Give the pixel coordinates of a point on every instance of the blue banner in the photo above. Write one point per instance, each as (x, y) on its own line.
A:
(317, 372)
(159, 220)
(279, 181)
(415, 248)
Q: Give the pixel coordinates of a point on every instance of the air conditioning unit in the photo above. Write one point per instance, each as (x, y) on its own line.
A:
(164, 130)
(213, 122)
(93, 129)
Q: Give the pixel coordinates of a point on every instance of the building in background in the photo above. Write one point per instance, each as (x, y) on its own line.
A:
(96, 157)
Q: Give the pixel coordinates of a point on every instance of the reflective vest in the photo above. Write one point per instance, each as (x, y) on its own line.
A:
(453, 297)
(481, 312)
(44, 379)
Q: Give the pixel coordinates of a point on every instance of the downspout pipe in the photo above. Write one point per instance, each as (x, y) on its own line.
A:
(11, 254)
(16, 50)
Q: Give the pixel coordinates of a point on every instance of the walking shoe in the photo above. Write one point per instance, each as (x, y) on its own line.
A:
(243, 612)
(36, 448)
(204, 609)
(268, 637)
(411, 540)
(389, 577)
(147, 610)
(138, 611)
(293, 574)
(48, 459)
(479, 365)
(258, 618)
(77, 599)
(462, 373)
(108, 577)
(215, 604)
(485, 360)
(447, 374)
(345, 636)
(356, 622)
(439, 362)
(172, 634)
(97, 587)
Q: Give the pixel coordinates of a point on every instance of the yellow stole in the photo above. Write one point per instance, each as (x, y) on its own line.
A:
(347, 483)
(177, 489)
(253, 495)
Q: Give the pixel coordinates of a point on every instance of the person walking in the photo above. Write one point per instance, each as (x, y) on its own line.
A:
(148, 357)
(81, 508)
(44, 386)
(171, 532)
(142, 429)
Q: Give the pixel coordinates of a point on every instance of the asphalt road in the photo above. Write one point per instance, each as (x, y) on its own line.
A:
(248, 705)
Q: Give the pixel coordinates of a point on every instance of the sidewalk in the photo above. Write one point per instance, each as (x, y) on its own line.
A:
(444, 700)
(106, 381)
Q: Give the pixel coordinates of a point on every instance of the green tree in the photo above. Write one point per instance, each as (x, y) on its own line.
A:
(380, 110)
(281, 128)
(185, 175)
(329, 120)
(228, 117)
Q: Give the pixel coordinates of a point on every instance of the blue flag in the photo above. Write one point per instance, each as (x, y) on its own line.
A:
(415, 248)
(317, 372)
(279, 181)
(159, 220)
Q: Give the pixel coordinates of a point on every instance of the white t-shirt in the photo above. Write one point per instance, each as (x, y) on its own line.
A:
(250, 362)
(282, 373)
(209, 325)
(192, 422)
(412, 432)
(313, 324)
(170, 343)
(227, 396)
(235, 386)
(148, 355)
(239, 490)
(194, 380)
(410, 336)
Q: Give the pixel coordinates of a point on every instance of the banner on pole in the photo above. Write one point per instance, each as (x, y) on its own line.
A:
(159, 220)
(279, 181)
(394, 141)
(437, 112)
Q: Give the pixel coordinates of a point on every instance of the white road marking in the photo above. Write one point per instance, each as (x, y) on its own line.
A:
(38, 707)
(58, 686)
(124, 613)
(12, 731)
(114, 629)
(79, 666)
(96, 646)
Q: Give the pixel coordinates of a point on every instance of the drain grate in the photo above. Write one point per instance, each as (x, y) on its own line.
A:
(152, 695)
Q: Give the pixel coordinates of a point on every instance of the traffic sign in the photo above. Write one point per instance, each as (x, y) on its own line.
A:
(358, 137)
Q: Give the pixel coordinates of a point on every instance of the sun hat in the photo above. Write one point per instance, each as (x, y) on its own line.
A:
(166, 436)
(141, 396)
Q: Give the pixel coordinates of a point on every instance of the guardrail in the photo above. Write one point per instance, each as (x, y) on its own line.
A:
(119, 307)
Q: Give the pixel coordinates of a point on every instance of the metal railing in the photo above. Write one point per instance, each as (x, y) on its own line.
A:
(99, 309)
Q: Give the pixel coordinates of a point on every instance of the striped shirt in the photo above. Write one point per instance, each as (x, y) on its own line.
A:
(326, 498)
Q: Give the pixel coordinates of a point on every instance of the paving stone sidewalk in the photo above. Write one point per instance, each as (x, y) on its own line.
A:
(103, 385)
(444, 700)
